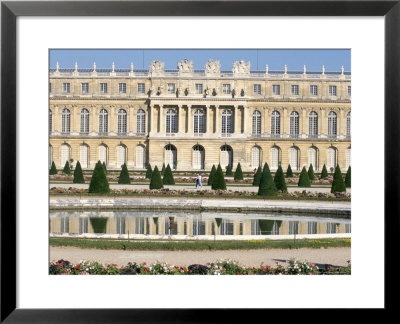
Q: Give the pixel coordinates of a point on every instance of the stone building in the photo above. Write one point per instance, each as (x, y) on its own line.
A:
(193, 119)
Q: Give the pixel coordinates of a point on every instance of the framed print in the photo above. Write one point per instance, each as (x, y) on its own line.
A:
(32, 31)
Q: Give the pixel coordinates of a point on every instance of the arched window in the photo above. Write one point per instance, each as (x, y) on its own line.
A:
(226, 122)
(274, 157)
(255, 157)
(140, 157)
(256, 123)
(84, 156)
(65, 154)
(332, 124)
(313, 124)
(103, 121)
(294, 124)
(171, 121)
(141, 122)
(294, 158)
(103, 154)
(348, 124)
(50, 121)
(121, 121)
(275, 124)
(331, 159)
(198, 121)
(348, 158)
(312, 157)
(170, 156)
(84, 121)
(65, 121)
(121, 155)
(226, 156)
(198, 157)
(50, 156)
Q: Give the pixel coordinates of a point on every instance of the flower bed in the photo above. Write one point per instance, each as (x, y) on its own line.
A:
(224, 267)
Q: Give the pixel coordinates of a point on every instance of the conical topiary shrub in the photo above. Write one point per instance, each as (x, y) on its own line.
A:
(124, 176)
(149, 171)
(229, 172)
(289, 173)
(267, 185)
(211, 175)
(67, 169)
(53, 169)
(99, 183)
(324, 172)
(304, 180)
(279, 180)
(266, 225)
(168, 178)
(310, 172)
(347, 180)
(78, 174)
(105, 168)
(238, 173)
(155, 181)
(99, 224)
(257, 177)
(338, 183)
(218, 181)
(163, 169)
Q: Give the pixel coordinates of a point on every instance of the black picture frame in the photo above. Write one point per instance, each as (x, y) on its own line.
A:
(10, 10)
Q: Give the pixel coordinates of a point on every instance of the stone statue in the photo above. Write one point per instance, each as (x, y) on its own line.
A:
(212, 67)
(156, 67)
(241, 67)
(185, 66)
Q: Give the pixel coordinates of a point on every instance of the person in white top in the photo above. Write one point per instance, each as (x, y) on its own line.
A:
(198, 181)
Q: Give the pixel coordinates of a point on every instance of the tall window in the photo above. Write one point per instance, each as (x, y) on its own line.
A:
(66, 87)
(49, 87)
(171, 88)
(313, 124)
(348, 158)
(331, 158)
(140, 157)
(349, 90)
(103, 154)
(103, 121)
(199, 88)
(121, 155)
(85, 87)
(257, 89)
(226, 122)
(332, 90)
(314, 90)
(50, 121)
(275, 124)
(141, 88)
(312, 157)
(198, 122)
(65, 154)
(50, 156)
(276, 89)
(198, 157)
(84, 156)
(140, 122)
(171, 121)
(332, 124)
(103, 87)
(170, 156)
(255, 157)
(199, 227)
(274, 157)
(84, 121)
(294, 158)
(65, 121)
(294, 124)
(312, 227)
(122, 87)
(226, 88)
(226, 156)
(295, 90)
(121, 121)
(348, 124)
(256, 123)
(293, 227)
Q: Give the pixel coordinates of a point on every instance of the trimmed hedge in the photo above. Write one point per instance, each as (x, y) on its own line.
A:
(155, 181)
(229, 172)
(338, 183)
(279, 180)
(218, 182)
(324, 172)
(149, 172)
(211, 176)
(304, 180)
(289, 173)
(163, 169)
(67, 168)
(257, 177)
(78, 174)
(267, 185)
(310, 172)
(105, 167)
(124, 176)
(238, 173)
(53, 169)
(168, 178)
(99, 183)
(347, 180)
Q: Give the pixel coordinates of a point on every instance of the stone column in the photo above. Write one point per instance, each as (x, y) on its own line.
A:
(189, 120)
(285, 122)
(180, 118)
(235, 119)
(217, 125)
(340, 122)
(151, 115)
(208, 119)
(162, 120)
(267, 120)
(159, 119)
(245, 112)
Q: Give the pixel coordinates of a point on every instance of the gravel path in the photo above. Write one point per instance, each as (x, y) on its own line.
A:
(333, 256)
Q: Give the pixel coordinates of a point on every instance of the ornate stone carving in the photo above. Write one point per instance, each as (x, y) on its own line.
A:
(156, 67)
(241, 67)
(185, 66)
(212, 67)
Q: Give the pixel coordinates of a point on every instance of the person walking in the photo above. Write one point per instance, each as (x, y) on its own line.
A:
(198, 181)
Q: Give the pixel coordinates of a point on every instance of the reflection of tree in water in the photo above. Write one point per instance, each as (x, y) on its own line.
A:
(267, 226)
(99, 224)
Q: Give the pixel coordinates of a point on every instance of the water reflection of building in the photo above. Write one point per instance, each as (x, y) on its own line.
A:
(190, 225)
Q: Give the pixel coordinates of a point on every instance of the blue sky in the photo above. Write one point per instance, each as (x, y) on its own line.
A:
(276, 59)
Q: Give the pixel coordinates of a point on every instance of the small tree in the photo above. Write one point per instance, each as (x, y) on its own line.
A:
(324, 172)
(155, 181)
(124, 176)
(149, 171)
(311, 174)
(229, 172)
(304, 180)
(78, 174)
(67, 169)
(105, 168)
(267, 185)
(168, 178)
(53, 169)
(338, 183)
(211, 175)
(347, 179)
(163, 169)
(238, 173)
(257, 177)
(99, 183)
(279, 180)
(266, 168)
(218, 181)
(289, 173)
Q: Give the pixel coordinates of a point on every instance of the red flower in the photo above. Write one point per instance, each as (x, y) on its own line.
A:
(78, 268)
(145, 269)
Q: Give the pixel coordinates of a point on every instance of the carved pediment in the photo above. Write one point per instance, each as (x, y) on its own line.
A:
(156, 67)
(212, 67)
(241, 67)
(185, 66)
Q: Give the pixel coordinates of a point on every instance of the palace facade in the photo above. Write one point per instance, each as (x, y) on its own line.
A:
(193, 119)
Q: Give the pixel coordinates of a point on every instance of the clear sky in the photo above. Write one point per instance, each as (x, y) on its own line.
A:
(276, 59)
